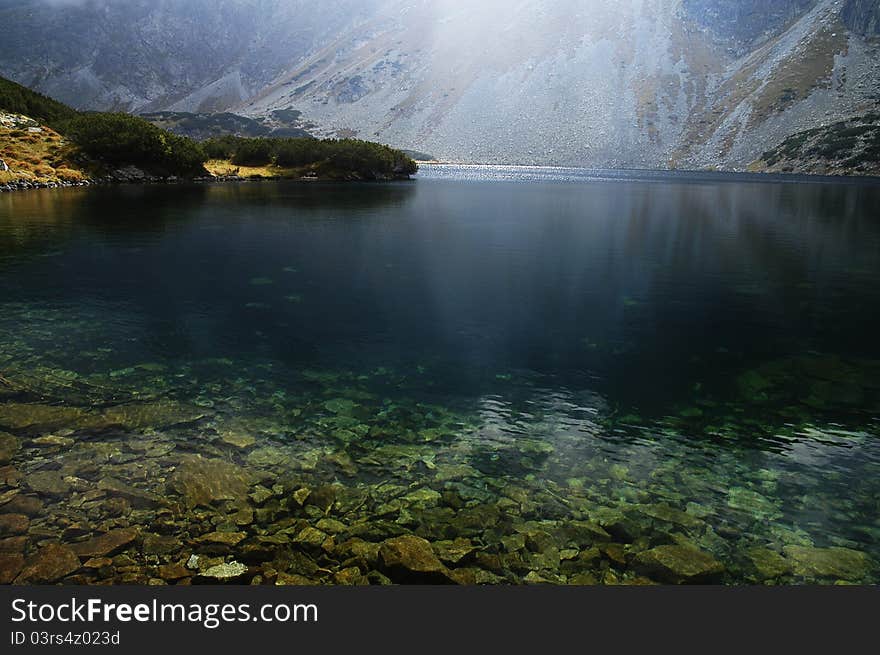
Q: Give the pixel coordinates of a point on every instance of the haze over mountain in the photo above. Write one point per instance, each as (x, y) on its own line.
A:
(640, 83)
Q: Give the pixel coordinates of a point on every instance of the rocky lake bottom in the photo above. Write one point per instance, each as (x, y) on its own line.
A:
(203, 395)
(205, 473)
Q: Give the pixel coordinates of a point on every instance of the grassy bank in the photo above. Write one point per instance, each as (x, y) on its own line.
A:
(36, 153)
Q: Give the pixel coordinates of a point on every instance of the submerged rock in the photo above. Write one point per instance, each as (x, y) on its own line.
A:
(21, 504)
(137, 497)
(13, 544)
(53, 441)
(155, 544)
(48, 483)
(106, 544)
(350, 576)
(11, 565)
(222, 538)
(225, 572)
(768, 564)
(310, 537)
(49, 564)
(411, 559)
(25, 416)
(293, 580)
(238, 439)
(342, 406)
(669, 514)
(835, 562)
(678, 563)
(173, 572)
(151, 415)
(13, 524)
(203, 482)
(9, 446)
(753, 503)
(453, 552)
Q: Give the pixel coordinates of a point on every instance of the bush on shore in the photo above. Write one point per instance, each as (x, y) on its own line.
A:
(122, 139)
(366, 159)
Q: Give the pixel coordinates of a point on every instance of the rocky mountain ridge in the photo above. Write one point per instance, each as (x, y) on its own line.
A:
(609, 83)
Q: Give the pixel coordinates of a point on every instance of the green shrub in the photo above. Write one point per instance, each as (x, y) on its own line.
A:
(333, 157)
(122, 139)
(294, 153)
(253, 152)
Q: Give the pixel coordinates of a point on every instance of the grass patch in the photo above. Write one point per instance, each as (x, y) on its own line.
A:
(42, 156)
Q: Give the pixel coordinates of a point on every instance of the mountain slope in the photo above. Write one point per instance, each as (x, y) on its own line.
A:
(628, 83)
(182, 55)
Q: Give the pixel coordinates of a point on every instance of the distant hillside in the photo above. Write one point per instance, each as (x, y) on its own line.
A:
(206, 126)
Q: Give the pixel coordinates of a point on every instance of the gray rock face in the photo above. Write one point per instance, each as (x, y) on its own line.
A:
(214, 53)
(742, 22)
(615, 83)
(862, 16)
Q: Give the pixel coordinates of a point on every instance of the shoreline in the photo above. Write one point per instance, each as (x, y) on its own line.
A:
(609, 173)
(757, 175)
(24, 185)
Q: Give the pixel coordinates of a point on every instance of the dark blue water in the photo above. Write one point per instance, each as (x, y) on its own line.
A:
(652, 339)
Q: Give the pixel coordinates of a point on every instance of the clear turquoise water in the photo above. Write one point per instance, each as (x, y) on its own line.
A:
(534, 346)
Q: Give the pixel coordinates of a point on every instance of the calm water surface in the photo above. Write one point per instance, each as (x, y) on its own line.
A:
(483, 353)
